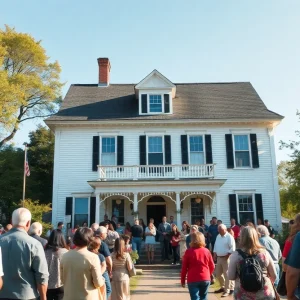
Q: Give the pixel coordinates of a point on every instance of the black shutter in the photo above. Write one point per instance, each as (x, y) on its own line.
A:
(143, 151)
(168, 155)
(120, 149)
(232, 207)
(229, 151)
(69, 207)
(184, 150)
(144, 104)
(96, 148)
(208, 149)
(167, 103)
(92, 210)
(254, 151)
(259, 207)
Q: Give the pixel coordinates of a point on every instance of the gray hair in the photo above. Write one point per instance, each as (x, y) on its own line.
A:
(102, 229)
(36, 228)
(21, 216)
(262, 230)
(95, 226)
(223, 226)
(195, 227)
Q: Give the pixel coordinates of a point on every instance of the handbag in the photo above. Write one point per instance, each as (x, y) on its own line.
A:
(281, 288)
(131, 272)
(277, 296)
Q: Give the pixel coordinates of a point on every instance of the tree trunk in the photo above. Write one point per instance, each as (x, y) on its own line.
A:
(8, 138)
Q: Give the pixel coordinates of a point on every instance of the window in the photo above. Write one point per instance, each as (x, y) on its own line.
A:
(245, 208)
(196, 150)
(155, 150)
(196, 210)
(155, 103)
(242, 152)
(81, 213)
(118, 210)
(108, 153)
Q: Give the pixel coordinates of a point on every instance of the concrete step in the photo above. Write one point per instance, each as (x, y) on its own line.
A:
(158, 266)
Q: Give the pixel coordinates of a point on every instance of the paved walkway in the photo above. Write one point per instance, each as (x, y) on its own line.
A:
(164, 284)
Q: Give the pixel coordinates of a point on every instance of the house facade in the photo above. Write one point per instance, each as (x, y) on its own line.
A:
(156, 148)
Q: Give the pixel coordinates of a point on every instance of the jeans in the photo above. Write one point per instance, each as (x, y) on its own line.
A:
(136, 244)
(175, 254)
(55, 294)
(198, 290)
(107, 284)
(277, 274)
(164, 247)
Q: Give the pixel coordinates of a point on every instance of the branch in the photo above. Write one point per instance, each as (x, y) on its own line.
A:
(29, 118)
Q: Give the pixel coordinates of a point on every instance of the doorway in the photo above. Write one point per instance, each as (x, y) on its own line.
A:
(157, 212)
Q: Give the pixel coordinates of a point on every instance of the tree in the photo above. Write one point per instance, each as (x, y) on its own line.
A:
(30, 86)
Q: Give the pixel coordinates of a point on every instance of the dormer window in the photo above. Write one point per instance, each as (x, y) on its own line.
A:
(155, 103)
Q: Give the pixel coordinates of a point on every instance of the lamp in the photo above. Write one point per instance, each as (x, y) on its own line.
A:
(118, 201)
(198, 200)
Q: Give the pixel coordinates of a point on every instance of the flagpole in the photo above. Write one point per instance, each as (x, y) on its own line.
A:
(24, 178)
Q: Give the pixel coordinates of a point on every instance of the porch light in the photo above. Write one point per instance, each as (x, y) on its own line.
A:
(118, 201)
(198, 200)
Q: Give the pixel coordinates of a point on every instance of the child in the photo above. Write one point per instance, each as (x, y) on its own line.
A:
(128, 247)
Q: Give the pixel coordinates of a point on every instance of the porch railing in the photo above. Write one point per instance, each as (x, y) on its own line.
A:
(155, 171)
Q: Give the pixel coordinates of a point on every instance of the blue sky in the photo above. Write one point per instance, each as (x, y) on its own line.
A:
(187, 41)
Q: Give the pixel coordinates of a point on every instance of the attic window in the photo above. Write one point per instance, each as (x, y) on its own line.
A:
(155, 103)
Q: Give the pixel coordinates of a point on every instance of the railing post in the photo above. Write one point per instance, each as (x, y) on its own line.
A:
(176, 173)
(135, 172)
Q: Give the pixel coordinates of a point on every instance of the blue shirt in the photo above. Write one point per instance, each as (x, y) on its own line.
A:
(24, 265)
(213, 230)
(272, 247)
(104, 250)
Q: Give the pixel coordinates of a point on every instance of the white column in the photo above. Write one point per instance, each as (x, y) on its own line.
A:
(97, 215)
(135, 204)
(178, 216)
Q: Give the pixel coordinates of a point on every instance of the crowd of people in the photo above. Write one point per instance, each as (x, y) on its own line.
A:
(96, 262)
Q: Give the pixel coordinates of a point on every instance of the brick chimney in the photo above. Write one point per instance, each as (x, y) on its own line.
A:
(104, 71)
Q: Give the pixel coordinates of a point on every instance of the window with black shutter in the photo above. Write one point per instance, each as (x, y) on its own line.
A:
(259, 207)
(184, 150)
(143, 151)
(167, 103)
(168, 155)
(120, 150)
(254, 151)
(95, 155)
(92, 210)
(232, 207)
(229, 151)
(144, 104)
(208, 149)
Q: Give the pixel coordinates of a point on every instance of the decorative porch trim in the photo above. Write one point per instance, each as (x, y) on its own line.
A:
(105, 196)
(210, 194)
(147, 194)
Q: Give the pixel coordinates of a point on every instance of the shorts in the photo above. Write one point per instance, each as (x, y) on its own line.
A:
(149, 247)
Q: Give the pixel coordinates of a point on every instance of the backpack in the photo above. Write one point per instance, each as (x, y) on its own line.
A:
(251, 273)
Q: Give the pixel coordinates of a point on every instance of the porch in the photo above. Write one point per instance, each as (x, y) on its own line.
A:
(175, 172)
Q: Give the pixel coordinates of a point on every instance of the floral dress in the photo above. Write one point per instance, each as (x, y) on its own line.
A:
(267, 265)
(182, 243)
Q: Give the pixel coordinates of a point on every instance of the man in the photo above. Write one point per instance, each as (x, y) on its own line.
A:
(35, 230)
(60, 226)
(24, 262)
(270, 228)
(293, 270)
(104, 250)
(164, 230)
(194, 229)
(172, 221)
(236, 229)
(272, 247)
(213, 232)
(114, 221)
(219, 222)
(95, 227)
(224, 246)
(137, 232)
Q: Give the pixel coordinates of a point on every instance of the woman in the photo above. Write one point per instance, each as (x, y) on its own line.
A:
(198, 265)
(150, 234)
(294, 229)
(144, 227)
(80, 269)
(249, 244)
(112, 235)
(122, 264)
(127, 230)
(185, 231)
(54, 251)
(175, 239)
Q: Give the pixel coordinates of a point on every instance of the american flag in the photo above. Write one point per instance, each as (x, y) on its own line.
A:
(26, 167)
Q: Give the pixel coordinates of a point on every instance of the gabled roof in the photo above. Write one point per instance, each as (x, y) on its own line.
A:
(199, 101)
(158, 74)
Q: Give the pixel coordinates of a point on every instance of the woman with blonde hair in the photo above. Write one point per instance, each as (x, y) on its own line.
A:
(150, 233)
(250, 246)
(198, 266)
(122, 265)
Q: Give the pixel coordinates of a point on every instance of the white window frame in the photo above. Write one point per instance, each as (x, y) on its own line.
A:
(116, 148)
(123, 200)
(250, 154)
(204, 206)
(163, 147)
(189, 151)
(253, 204)
(73, 210)
(162, 103)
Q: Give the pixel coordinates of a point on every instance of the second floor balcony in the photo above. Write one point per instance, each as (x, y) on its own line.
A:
(175, 172)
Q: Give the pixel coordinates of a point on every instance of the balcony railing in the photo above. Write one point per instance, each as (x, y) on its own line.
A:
(175, 172)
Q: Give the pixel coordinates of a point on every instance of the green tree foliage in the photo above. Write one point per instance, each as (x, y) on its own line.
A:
(290, 191)
(30, 86)
(38, 184)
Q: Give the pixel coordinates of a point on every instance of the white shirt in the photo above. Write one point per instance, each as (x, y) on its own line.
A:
(1, 266)
(224, 244)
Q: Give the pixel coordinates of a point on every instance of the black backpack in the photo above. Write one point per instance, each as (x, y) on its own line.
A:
(251, 273)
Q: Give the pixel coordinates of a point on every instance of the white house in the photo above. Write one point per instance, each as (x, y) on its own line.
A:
(159, 148)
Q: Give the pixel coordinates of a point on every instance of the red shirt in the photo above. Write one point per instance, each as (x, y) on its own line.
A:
(287, 247)
(175, 239)
(197, 264)
(236, 229)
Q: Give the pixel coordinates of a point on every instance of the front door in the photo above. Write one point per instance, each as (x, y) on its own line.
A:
(157, 212)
